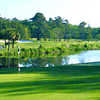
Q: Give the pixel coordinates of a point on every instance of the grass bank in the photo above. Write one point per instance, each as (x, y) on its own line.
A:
(50, 48)
(72, 82)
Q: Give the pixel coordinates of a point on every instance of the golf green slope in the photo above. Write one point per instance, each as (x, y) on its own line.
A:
(73, 82)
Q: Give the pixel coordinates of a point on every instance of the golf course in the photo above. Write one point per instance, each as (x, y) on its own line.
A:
(71, 82)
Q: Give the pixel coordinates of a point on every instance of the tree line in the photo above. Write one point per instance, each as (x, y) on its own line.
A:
(38, 27)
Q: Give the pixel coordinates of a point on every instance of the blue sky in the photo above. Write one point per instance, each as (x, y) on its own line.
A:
(73, 10)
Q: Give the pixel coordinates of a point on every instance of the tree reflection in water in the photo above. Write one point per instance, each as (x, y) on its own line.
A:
(84, 57)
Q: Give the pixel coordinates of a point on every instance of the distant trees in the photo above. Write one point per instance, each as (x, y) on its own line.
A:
(89, 33)
(58, 28)
(82, 30)
(38, 27)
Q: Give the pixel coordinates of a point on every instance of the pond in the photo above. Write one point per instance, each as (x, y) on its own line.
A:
(91, 56)
(25, 41)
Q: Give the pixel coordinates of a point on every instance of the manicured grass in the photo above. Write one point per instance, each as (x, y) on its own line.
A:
(73, 82)
(36, 44)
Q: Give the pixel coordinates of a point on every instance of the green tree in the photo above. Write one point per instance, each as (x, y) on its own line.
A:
(89, 33)
(40, 25)
(82, 30)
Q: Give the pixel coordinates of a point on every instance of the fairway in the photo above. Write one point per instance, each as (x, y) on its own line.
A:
(73, 82)
(49, 50)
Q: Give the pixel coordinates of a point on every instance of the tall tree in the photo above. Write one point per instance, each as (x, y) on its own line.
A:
(40, 25)
(82, 30)
(89, 33)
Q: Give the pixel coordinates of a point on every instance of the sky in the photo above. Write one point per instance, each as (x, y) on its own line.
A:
(75, 11)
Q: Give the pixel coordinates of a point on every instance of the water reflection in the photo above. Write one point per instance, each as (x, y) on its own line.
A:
(25, 41)
(40, 62)
(84, 57)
